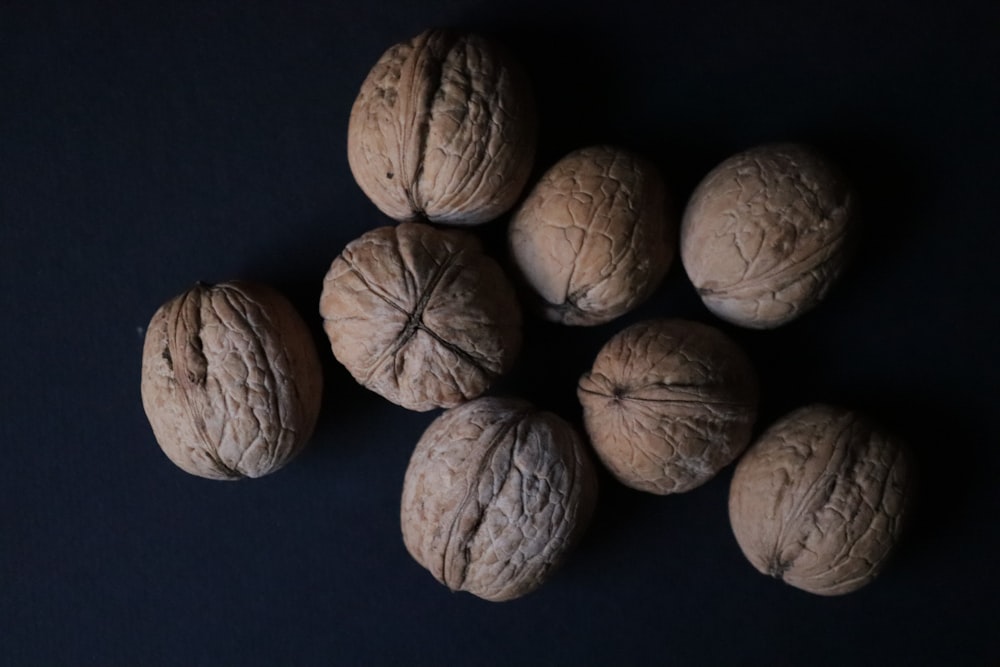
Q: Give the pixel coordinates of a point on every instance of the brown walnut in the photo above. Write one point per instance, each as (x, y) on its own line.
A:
(443, 129)
(764, 234)
(593, 238)
(495, 496)
(668, 404)
(421, 315)
(819, 500)
(231, 382)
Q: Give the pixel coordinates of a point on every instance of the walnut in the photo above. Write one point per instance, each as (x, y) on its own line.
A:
(495, 496)
(668, 403)
(763, 236)
(443, 129)
(420, 315)
(593, 238)
(231, 382)
(820, 498)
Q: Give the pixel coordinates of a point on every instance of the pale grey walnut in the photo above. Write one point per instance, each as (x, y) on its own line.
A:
(668, 403)
(420, 315)
(496, 495)
(765, 233)
(820, 498)
(231, 382)
(594, 239)
(443, 129)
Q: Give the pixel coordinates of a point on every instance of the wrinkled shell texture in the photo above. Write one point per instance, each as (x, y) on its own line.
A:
(763, 235)
(668, 404)
(231, 381)
(592, 239)
(819, 500)
(496, 495)
(443, 129)
(420, 315)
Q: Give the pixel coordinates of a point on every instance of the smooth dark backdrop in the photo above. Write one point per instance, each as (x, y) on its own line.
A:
(144, 147)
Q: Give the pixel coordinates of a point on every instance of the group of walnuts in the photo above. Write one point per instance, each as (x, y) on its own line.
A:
(497, 492)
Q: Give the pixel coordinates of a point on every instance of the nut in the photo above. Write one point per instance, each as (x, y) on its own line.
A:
(231, 382)
(420, 315)
(496, 495)
(592, 238)
(443, 129)
(763, 235)
(668, 403)
(819, 500)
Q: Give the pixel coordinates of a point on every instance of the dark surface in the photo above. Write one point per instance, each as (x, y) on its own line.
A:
(142, 150)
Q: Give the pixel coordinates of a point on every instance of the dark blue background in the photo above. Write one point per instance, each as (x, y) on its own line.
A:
(143, 148)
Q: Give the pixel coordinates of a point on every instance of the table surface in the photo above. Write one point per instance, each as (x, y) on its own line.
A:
(144, 149)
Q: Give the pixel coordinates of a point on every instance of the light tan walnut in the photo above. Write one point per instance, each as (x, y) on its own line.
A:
(593, 238)
(443, 129)
(421, 315)
(495, 496)
(820, 499)
(668, 404)
(764, 234)
(231, 382)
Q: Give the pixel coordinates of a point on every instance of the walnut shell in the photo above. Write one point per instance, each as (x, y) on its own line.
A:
(443, 129)
(495, 496)
(420, 315)
(668, 404)
(819, 500)
(593, 238)
(764, 234)
(231, 382)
